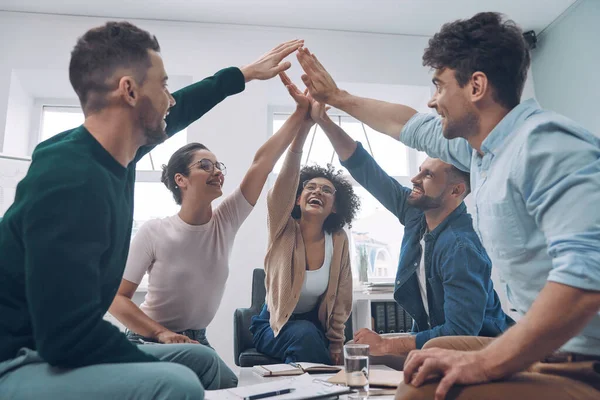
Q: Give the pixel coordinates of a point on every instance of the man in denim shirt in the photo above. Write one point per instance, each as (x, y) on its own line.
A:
(446, 287)
(536, 182)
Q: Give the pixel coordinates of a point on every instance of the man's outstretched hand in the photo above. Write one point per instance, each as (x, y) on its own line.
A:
(270, 64)
(320, 84)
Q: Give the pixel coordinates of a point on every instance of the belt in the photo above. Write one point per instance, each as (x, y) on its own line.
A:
(562, 357)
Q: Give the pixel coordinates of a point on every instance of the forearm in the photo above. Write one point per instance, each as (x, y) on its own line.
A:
(268, 154)
(342, 143)
(384, 117)
(398, 346)
(300, 138)
(557, 315)
(195, 100)
(130, 315)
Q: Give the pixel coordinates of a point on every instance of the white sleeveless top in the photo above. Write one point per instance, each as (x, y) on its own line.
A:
(316, 281)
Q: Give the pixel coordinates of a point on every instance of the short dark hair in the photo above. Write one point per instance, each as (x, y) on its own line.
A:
(456, 175)
(98, 54)
(179, 164)
(347, 203)
(484, 43)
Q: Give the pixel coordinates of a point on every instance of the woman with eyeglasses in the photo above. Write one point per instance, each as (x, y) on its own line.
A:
(186, 255)
(308, 275)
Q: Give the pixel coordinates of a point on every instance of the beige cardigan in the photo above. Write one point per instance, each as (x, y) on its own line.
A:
(285, 262)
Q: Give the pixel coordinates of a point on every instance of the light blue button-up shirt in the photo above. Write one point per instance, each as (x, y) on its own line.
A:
(537, 202)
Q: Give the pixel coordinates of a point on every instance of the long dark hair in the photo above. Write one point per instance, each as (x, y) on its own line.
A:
(179, 164)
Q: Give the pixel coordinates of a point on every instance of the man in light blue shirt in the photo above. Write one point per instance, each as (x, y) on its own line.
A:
(535, 177)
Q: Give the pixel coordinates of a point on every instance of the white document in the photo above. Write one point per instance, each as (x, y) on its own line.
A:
(306, 387)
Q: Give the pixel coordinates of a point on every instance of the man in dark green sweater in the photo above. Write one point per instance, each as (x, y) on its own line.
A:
(64, 242)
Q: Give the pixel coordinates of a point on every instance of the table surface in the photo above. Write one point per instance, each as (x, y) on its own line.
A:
(248, 377)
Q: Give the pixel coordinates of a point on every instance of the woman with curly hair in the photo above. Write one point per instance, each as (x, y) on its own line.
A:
(308, 276)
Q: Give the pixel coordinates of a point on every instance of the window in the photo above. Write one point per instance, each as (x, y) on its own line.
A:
(376, 234)
(152, 199)
(391, 155)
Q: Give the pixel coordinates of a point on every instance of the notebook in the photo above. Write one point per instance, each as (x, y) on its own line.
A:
(377, 378)
(305, 387)
(295, 369)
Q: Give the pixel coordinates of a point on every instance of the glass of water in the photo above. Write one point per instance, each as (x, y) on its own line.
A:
(356, 362)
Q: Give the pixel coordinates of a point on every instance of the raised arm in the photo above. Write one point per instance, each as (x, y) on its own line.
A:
(195, 100)
(268, 154)
(282, 197)
(363, 167)
(419, 131)
(382, 116)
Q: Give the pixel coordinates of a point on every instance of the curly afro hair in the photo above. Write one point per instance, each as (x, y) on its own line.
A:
(347, 203)
(486, 43)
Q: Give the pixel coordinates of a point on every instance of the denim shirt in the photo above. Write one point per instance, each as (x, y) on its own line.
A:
(460, 292)
(537, 202)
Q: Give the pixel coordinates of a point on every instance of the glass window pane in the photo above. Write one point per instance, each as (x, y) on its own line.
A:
(377, 234)
(391, 155)
(59, 119)
(56, 120)
(162, 152)
(152, 200)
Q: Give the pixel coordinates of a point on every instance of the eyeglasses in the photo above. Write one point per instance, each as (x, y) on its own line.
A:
(311, 187)
(209, 166)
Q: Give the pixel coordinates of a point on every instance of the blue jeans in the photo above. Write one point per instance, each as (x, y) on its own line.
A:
(302, 338)
(228, 379)
(191, 369)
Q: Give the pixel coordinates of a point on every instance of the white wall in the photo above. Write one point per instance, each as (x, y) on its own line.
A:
(236, 128)
(565, 64)
(17, 118)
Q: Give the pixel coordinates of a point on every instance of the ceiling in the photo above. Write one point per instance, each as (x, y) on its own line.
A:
(406, 17)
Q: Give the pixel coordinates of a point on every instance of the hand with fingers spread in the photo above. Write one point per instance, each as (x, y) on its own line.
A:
(454, 367)
(172, 337)
(301, 99)
(270, 64)
(320, 84)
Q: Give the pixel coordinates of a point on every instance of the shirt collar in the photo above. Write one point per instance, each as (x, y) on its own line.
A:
(507, 125)
(458, 211)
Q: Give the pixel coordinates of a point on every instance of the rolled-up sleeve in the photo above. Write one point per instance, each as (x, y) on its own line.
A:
(423, 132)
(560, 183)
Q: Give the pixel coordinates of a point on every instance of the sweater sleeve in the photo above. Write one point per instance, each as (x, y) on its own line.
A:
(195, 100)
(343, 302)
(282, 197)
(383, 187)
(65, 234)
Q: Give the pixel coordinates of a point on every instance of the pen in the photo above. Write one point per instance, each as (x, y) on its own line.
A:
(269, 394)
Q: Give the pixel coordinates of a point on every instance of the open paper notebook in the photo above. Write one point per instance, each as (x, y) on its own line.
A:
(294, 369)
(304, 387)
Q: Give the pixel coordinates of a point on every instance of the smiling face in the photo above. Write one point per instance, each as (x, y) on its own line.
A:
(204, 180)
(317, 199)
(430, 185)
(155, 101)
(459, 116)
